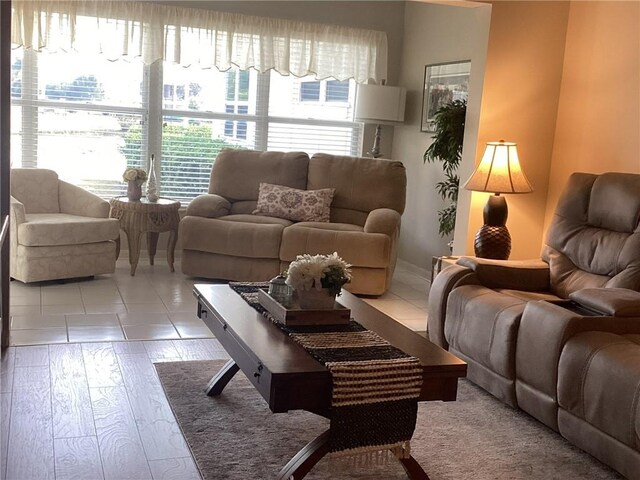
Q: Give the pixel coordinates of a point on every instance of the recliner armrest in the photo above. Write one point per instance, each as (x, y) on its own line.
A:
(209, 205)
(383, 220)
(450, 278)
(526, 275)
(75, 200)
(614, 302)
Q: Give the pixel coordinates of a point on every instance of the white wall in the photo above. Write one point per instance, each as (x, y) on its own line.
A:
(522, 78)
(598, 125)
(434, 34)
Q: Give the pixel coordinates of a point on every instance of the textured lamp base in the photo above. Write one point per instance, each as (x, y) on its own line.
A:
(493, 241)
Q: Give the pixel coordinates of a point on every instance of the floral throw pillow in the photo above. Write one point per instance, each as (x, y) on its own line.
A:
(293, 204)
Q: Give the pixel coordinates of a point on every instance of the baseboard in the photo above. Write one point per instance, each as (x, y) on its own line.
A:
(420, 272)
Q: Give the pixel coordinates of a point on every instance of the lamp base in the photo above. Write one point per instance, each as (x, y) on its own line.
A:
(493, 241)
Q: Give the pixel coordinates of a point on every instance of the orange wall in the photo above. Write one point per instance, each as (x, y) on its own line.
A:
(519, 104)
(598, 126)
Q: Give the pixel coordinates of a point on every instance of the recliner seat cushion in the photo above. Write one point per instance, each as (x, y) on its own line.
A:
(251, 236)
(50, 229)
(483, 324)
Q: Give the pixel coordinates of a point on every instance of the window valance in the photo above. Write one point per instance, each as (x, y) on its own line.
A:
(207, 38)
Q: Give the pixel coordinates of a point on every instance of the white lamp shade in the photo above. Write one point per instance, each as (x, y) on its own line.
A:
(499, 171)
(380, 104)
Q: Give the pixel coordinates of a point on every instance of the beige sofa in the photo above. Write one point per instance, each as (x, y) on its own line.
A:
(58, 230)
(558, 337)
(221, 238)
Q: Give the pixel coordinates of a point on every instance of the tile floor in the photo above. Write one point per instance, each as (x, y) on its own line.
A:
(154, 305)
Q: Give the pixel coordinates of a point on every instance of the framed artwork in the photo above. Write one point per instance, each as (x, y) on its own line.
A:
(443, 83)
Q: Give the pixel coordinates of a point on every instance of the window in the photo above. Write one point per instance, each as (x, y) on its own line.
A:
(88, 118)
(337, 91)
(310, 91)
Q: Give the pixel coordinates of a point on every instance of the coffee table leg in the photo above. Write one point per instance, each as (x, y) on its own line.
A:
(220, 379)
(413, 469)
(306, 458)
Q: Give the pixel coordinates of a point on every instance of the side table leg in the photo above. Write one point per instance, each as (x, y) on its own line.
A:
(134, 250)
(306, 459)
(220, 379)
(117, 242)
(171, 248)
(152, 245)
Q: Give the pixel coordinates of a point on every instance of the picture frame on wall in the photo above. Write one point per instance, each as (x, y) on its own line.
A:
(443, 83)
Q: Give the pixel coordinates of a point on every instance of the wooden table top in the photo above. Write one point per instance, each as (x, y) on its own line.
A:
(281, 355)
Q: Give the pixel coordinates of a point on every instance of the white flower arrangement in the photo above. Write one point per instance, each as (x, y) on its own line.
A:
(137, 175)
(319, 271)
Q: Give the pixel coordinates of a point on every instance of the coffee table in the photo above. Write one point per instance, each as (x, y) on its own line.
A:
(288, 378)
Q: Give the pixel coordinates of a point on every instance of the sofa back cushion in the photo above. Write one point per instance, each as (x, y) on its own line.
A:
(36, 189)
(361, 184)
(594, 238)
(236, 174)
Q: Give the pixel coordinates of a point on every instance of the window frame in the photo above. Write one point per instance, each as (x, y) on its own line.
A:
(152, 112)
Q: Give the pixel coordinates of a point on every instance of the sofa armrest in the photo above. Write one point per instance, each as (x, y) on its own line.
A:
(78, 201)
(545, 327)
(448, 279)
(613, 302)
(209, 205)
(526, 275)
(383, 220)
(18, 214)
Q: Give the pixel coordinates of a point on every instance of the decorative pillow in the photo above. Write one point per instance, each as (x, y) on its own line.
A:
(293, 204)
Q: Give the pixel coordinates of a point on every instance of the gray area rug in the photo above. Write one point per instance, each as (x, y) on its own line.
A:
(235, 436)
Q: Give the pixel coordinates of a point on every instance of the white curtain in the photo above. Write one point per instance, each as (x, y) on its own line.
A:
(207, 38)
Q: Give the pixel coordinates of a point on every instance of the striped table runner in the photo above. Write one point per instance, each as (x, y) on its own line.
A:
(375, 385)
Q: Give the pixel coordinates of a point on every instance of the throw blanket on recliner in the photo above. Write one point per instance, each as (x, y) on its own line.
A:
(375, 385)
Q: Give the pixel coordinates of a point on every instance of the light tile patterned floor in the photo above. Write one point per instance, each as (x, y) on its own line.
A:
(154, 305)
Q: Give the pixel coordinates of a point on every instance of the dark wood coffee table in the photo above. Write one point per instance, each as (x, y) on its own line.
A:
(288, 378)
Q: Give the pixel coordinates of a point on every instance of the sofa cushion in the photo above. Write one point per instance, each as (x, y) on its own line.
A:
(36, 189)
(250, 236)
(236, 174)
(294, 204)
(352, 244)
(594, 238)
(362, 185)
(48, 229)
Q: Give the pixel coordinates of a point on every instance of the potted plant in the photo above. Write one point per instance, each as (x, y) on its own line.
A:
(318, 279)
(447, 149)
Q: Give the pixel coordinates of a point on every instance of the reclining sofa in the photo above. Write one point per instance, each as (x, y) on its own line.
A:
(560, 337)
(223, 238)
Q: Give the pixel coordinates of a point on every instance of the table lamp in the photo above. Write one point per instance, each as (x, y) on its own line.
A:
(499, 172)
(380, 104)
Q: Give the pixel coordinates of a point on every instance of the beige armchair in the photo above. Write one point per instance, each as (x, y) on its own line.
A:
(58, 230)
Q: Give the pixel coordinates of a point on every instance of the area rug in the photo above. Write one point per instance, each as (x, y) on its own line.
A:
(235, 436)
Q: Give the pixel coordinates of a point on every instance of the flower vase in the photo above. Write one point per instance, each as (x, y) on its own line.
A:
(152, 188)
(315, 299)
(134, 190)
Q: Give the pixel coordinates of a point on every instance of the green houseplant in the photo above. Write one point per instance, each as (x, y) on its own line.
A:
(446, 148)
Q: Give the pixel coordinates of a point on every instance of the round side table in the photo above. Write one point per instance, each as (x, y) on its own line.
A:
(142, 216)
